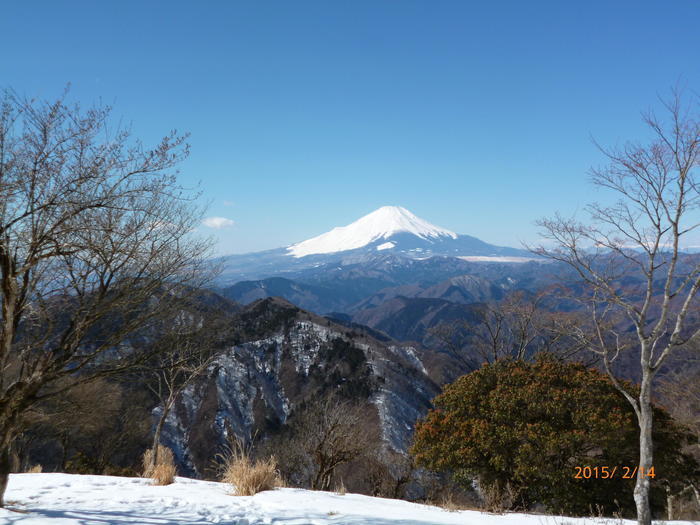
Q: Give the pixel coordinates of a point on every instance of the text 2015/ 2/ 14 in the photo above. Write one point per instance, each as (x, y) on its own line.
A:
(610, 472)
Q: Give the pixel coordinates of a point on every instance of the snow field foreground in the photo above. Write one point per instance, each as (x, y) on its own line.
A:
(70, 499)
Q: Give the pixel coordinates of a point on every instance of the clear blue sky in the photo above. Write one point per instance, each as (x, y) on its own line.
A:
(306, 115)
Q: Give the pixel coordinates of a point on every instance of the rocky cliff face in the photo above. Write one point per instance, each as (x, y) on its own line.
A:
(282, 356)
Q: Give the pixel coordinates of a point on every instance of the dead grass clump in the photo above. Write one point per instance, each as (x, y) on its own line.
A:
(454, 502)
(340, 488)
(248, 476)
(448, 503)
(163, 474)
(162, 471)
(35, 469)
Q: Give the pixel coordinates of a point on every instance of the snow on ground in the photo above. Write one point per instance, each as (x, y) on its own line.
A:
(69, 499)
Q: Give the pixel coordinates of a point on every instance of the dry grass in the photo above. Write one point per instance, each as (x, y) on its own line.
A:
(163, 474)
(248, 476)
(451, 503)
(163, 471)
(36, 469)
(340, 488)
(454, 501)
(498, 498)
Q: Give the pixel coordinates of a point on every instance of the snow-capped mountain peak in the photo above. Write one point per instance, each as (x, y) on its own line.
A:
(380, 224)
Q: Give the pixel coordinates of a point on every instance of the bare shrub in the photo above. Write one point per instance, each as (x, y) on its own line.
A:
(322, 436)
(442, 491)
(163, 471)
(498, 497)
(385, 473)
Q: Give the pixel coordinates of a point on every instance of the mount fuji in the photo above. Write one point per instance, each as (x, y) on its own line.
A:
(380, 225)
(390, 231)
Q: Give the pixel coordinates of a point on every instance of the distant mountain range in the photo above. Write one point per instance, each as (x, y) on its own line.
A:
(352, 287)
(390, 230)
(390, 271)
(359, 311)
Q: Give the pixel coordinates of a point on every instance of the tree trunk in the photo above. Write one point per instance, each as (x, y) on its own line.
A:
(646, 458)
(697, 494)
(322, 479)
(5, 468)
(159, 428)
(64, 451)
(325, 483)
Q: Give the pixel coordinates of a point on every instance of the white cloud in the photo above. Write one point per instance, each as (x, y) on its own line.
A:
(217, 222)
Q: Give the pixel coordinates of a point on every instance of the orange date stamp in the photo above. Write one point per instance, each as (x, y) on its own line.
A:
(606, 472)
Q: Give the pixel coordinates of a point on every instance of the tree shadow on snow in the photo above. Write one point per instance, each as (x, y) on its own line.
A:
(121, 518)
(94, 517)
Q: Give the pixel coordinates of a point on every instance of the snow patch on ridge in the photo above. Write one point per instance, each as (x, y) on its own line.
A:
(380, 224)
(496, 259)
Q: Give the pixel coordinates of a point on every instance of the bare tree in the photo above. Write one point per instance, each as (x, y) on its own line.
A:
(323, 435)
(95, 243)
(629, 255)
(185, 352)
(387, 473)
(517, 327)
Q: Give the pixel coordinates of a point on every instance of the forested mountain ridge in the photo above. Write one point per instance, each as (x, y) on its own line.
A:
(281, 357)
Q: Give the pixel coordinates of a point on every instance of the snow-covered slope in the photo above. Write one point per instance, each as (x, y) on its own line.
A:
(70, 499)
(380, 224)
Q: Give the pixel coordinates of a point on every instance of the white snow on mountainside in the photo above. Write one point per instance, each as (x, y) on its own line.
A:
(483, 258)
(380, 224)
